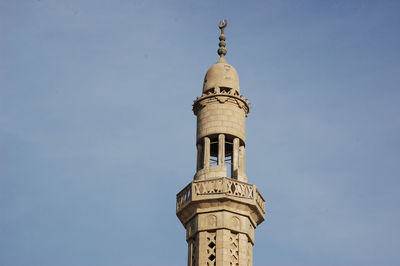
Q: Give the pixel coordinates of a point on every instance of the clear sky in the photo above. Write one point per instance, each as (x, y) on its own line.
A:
(97, 134)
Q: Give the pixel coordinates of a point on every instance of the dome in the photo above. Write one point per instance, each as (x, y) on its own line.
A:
(221, 76)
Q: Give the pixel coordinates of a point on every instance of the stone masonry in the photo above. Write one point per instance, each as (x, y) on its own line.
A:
(219, 209)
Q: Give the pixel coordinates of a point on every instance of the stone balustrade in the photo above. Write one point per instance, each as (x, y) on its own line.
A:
(260, 201)
(223, 186)
(184, 197)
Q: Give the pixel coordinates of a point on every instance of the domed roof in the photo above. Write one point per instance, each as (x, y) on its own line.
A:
(221, 75)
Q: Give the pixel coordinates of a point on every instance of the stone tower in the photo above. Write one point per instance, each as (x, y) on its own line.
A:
(219, 209)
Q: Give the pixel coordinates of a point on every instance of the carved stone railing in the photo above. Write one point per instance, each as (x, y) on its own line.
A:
(184, 197)
(224, 185)
(260, 201)
(197, 189)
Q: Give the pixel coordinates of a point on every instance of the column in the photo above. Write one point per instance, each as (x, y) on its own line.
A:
(206, 158)
(193, 252)
(250, 253)
(243, 249)
(241, 159)
(202, 258)
(223, 242)
(242, 174)
(221, 149)
(200, 156)
(235, 159)
(190, 252)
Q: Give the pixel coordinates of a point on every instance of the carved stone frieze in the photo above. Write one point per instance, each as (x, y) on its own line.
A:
(220, 203)
(220, 219)
(222, 98)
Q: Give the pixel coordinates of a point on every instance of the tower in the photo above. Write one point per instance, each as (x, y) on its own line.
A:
(219, 209)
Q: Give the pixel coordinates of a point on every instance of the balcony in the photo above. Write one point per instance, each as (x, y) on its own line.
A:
(218, 189)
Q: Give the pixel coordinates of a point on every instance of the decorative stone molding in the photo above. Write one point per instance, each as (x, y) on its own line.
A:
(217, 220)
(220, 203)
(219, 186)
(221, 97)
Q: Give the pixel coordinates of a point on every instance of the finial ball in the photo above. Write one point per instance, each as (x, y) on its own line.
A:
(221, 51)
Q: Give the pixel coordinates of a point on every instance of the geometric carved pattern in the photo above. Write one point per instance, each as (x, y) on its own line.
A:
(260, 201)
(193, 244)
(240, 189)
(234, 249)
(222, 185)
(184, 197)
(227, 186)
(211, 247)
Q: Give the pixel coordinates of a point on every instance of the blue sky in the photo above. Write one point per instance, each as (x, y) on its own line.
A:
(97, 134)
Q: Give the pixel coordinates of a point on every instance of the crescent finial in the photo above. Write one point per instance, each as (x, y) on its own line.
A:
(222, 50)
(223, 23)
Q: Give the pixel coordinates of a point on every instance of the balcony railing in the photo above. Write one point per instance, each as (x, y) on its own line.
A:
(224, 185)
(184, 197)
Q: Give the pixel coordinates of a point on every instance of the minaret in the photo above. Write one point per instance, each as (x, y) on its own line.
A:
(219, 209)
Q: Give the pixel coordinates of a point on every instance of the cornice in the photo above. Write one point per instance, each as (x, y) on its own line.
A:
(221, 97)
